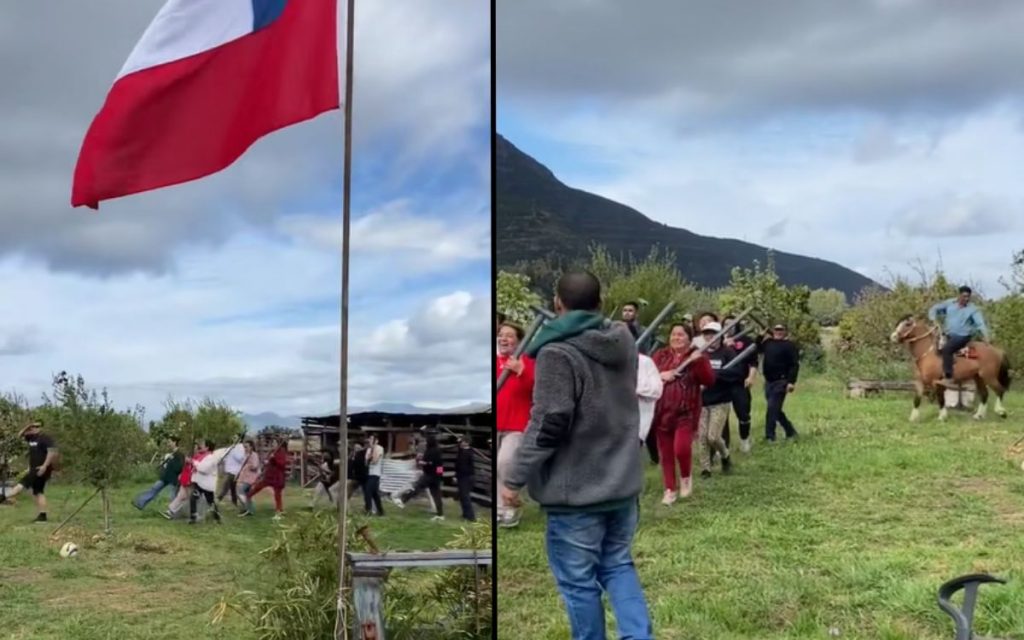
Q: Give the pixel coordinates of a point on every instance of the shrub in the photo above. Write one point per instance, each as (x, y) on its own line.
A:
(515, 297)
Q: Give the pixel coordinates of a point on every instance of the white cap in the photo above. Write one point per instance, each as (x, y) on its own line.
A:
(711, 327)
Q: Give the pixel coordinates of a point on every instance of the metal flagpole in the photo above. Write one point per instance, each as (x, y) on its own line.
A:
(341, 624)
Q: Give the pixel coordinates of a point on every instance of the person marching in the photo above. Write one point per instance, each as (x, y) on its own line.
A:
(170, 469)
(677, 414)
(741, 399)
(780, 366)
(515, 400)
(716, 400)
(42, 455)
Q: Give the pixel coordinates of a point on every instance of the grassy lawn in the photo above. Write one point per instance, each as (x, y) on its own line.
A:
(153, 579)
(851, 530)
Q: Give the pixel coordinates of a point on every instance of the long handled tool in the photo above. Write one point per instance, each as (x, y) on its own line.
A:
(541, 316)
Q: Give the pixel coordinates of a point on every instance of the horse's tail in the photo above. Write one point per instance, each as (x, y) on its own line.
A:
(1004, 372)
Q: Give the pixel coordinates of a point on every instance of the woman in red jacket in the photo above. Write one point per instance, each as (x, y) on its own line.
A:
(515, 399)
(274, 476)
(677, 414)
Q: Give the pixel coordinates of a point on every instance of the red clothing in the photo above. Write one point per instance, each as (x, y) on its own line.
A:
(680, 399)
(186, 471)
(515, 400)
(676, 446)
(274, 470)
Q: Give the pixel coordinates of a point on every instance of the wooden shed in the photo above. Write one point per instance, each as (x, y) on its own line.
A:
(400, 435)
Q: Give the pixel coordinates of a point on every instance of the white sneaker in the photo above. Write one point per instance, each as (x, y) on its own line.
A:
(438, 518)
(277, 516)
(398, 501)
(745, 445)
(686, 488)
(670, 498)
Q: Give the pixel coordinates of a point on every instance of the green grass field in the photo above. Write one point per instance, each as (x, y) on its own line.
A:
(849, 531)
(153, 579)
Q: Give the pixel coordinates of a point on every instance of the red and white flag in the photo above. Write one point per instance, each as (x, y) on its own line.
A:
(207, 80)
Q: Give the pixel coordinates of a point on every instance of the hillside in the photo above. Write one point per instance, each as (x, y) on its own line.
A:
(538, 216)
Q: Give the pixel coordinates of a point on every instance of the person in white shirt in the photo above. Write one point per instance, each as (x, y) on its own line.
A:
(648, 390)
(375, 467)
(232, 465)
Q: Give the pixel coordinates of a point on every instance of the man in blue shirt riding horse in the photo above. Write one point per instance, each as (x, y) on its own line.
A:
(961, 321)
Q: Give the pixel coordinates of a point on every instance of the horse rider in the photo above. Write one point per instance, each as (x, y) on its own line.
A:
(961, 320)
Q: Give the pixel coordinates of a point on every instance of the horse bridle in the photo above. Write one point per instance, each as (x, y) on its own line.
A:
(904, 338)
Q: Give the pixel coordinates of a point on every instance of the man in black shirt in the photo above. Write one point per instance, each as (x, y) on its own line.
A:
(464, 472)
(780, 365)
(42, 452)
(432, 464)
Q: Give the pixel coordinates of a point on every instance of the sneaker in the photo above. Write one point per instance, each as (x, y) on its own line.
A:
(167, 514)
(727, 465)
(438, 518)
(244, 514)
(705, 474)
(193, 521)
(670, 498)
(40, 518)
(510, 521)
(278, 516)
(137, 505)
(398, 501)
(745, 445)
(685, 487)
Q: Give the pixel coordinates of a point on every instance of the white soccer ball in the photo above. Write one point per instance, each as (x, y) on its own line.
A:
(69, 550)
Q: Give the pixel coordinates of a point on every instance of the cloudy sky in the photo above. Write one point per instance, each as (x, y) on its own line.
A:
(876, 133)
(229, 286)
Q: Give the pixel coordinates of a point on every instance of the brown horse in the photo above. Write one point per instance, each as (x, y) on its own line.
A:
(989, 369)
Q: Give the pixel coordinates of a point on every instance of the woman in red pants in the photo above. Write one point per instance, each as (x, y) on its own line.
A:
(677, 414)
(274, 475)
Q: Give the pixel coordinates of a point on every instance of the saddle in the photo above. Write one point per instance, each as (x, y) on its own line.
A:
(970, 351)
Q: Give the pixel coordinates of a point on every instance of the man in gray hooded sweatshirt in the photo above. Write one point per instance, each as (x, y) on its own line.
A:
(581, 463)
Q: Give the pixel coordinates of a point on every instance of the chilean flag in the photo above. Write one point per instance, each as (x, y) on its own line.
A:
(208, 79)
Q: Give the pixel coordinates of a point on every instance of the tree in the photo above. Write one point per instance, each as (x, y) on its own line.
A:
(212, 420)
(773, 302)
(515, 297)
(99, 445)
(827, 306)
(14, 415)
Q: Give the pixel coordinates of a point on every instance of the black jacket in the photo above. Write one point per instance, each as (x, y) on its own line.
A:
(780, 360)
(725, 379)
(358, 469)
(464, 463)
(432, 461)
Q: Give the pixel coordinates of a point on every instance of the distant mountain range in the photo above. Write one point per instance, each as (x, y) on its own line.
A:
(258, 421)
(538, 217)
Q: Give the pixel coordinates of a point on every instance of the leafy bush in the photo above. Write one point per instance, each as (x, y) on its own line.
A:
(14, 415)
(302, 602)
(827, 306)
(1006, 316)
(189, 421)
(774, 302)
(515, 297)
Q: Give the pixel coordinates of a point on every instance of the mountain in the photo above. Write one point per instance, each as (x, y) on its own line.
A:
(258, 421)
(538, 216)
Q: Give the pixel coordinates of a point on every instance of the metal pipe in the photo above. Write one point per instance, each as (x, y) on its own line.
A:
(541, 316)
(655, 323)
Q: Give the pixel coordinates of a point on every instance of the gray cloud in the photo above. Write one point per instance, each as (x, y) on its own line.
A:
(56, 74)
(20, 342)
(734, 58)
(777, 229)
(878, 142)
(956, 216)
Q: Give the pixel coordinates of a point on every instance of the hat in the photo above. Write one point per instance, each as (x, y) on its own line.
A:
(779, 327)
(34, 424)
(711, 327)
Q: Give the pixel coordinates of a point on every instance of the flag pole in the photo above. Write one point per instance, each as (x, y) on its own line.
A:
(341, 625)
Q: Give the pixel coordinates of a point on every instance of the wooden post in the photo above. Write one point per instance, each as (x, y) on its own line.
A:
(302, 465)
(367, 585)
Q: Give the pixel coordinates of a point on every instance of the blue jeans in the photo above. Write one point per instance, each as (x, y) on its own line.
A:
(151, 493)
(591, 552)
